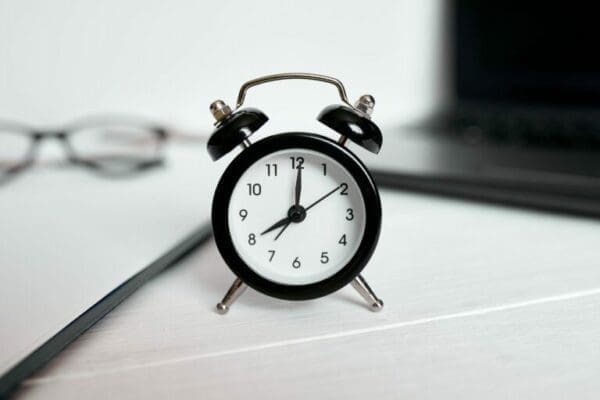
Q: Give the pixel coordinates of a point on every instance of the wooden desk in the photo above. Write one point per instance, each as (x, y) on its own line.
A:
(480, 302)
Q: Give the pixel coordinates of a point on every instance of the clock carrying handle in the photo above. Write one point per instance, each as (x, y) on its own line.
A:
(351, 122)
(292, 75)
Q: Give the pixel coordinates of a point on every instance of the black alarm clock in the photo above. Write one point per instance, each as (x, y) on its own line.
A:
(296, 215)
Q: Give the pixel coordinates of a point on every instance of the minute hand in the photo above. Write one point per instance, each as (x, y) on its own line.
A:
(298, 189)
(323, 198)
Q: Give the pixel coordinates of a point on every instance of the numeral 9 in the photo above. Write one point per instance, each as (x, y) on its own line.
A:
(243, 213)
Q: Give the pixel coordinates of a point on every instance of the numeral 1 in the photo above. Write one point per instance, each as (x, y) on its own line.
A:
(324, 168)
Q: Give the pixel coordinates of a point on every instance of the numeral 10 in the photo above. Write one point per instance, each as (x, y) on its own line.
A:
(254, 189)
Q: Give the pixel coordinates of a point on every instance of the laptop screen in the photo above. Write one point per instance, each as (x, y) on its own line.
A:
(533, 52)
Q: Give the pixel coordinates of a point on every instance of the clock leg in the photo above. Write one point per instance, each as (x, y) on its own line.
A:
(362, 287)
(236, 289)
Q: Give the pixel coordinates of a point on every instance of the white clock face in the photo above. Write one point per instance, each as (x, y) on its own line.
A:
(312, 240)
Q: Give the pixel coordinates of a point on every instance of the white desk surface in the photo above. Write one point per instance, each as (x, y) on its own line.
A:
(480, 302)
(69, 237)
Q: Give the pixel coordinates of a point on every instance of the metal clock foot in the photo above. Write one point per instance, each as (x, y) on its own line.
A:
(362, 287)
(236, 289)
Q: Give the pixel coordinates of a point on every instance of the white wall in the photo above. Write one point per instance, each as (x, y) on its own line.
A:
(60, 59)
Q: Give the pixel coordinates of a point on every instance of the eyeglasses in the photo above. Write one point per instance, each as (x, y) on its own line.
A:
(107, 145)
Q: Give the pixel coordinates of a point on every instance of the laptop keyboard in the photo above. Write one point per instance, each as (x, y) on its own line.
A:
(539, 129)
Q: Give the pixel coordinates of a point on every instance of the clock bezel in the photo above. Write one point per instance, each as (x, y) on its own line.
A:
(306, 141)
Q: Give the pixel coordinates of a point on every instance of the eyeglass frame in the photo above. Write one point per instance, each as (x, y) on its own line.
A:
(36, 136)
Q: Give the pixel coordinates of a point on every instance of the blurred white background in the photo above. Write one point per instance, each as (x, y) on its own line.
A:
(169, 59)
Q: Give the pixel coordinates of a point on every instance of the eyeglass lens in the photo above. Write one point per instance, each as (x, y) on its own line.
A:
(14, 149)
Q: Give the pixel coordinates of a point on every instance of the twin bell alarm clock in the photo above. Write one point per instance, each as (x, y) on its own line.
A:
(296, 215)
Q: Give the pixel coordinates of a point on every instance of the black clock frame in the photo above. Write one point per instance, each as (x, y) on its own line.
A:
(305, 141)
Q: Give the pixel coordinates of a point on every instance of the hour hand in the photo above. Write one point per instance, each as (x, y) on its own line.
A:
(277, 224)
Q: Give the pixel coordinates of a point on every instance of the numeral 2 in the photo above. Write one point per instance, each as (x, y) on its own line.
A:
(344, 191)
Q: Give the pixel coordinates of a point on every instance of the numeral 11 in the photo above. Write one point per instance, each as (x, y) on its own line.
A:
(271, 169)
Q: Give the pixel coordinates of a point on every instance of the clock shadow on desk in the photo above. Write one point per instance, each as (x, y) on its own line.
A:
(213, 278)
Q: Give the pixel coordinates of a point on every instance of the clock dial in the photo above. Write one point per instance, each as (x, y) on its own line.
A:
(296, 217)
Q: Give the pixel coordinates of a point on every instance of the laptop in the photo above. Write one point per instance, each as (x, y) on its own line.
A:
(522, 122)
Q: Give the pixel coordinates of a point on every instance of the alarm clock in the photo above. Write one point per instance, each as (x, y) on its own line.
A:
(296, 215)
